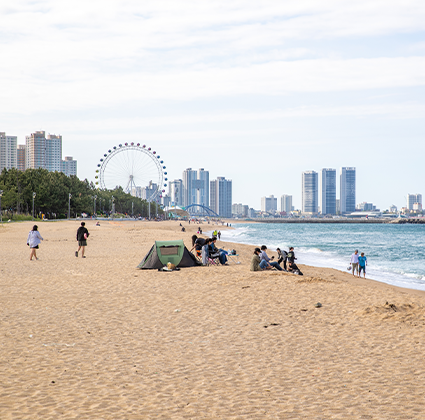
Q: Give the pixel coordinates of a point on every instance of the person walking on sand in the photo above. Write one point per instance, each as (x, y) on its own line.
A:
(355, 262)
(82, 235)
(34, 239)
(219, 235)
(362, 264)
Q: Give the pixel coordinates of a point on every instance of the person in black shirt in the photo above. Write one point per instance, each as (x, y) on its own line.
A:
(82, 235)
(292, 267)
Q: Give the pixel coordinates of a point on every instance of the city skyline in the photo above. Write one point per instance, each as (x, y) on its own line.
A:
(255, 91)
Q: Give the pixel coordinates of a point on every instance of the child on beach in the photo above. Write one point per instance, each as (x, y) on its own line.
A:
(362, 264)
(34, 239)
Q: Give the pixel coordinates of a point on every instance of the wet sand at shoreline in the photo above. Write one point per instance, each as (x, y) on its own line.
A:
(97, 338)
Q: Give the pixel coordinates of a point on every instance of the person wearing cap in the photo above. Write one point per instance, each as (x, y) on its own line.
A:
(355, 262)
(266, 261)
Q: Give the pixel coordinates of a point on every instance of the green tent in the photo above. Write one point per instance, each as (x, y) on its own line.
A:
(164, 252)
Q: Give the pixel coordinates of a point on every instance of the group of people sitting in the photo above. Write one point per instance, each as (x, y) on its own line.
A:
(261, 261)
(206, 249)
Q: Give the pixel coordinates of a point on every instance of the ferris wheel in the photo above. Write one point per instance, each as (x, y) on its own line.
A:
(136, 168)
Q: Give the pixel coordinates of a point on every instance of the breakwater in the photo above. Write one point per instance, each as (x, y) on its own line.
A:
(341, 221)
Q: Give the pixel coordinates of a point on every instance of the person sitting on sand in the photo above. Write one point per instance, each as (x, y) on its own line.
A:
(362, 264)
(215, 252)
(292, 267)
(265, 257)
(256, 262)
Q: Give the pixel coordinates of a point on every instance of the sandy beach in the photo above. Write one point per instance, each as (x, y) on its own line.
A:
(97, 338)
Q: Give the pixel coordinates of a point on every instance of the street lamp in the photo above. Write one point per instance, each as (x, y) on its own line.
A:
(95, 198)
(113, 205)
(69, 205)
(33, 196)
(1, 214)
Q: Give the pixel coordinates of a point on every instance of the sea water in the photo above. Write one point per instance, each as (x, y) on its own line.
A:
(395, 253)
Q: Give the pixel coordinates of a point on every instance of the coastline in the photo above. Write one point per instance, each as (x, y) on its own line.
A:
(98, 338)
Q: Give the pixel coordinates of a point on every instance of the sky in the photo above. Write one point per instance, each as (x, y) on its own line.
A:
(255, 91)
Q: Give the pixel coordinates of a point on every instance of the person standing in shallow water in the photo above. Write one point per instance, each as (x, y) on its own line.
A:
(34, 239)
(355, 262)
(82, 235)
(362, 265)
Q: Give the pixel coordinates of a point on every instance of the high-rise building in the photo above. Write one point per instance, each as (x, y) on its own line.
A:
(20, 155)
(196, 187)
(176, 192)
(310, 190)
(8, 154)
(221, 197)
(42, 152)
(286, 203)
(347, 190)
(69, 167)
(189, 190)
(269, 204)
(327, 191)
(53, 153)
(203, 188)
(412, 199)
(35, 150)
(149, 191)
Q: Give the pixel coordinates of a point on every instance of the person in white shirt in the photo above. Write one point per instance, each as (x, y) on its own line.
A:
(355, 262)
(34, 239)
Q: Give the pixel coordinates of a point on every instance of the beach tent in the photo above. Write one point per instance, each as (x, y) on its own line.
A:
(164, 252)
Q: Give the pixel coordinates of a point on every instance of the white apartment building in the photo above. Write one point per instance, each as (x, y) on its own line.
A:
(69, 168)
(221, 197)
(176, 192)
(42, 152)
(8, 151)
(269, 204)
(286, 203)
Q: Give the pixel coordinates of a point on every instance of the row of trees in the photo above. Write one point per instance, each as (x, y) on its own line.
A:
(52, 195)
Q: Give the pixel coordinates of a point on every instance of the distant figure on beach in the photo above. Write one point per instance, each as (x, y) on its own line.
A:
(82, 235)
(292, 267)
(34, 239)
(266, 260)
(282, 255)
(219, 235)
(214, 233)
(362, 264)
(183, 229)
(355, 262)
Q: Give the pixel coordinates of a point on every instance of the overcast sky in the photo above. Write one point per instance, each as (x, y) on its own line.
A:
(255, 91)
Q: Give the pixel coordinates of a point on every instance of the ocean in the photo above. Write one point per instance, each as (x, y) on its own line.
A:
(395, 253)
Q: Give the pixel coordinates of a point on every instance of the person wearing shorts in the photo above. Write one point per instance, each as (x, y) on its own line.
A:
(362, 264)
(82, 235)
(34, 239)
